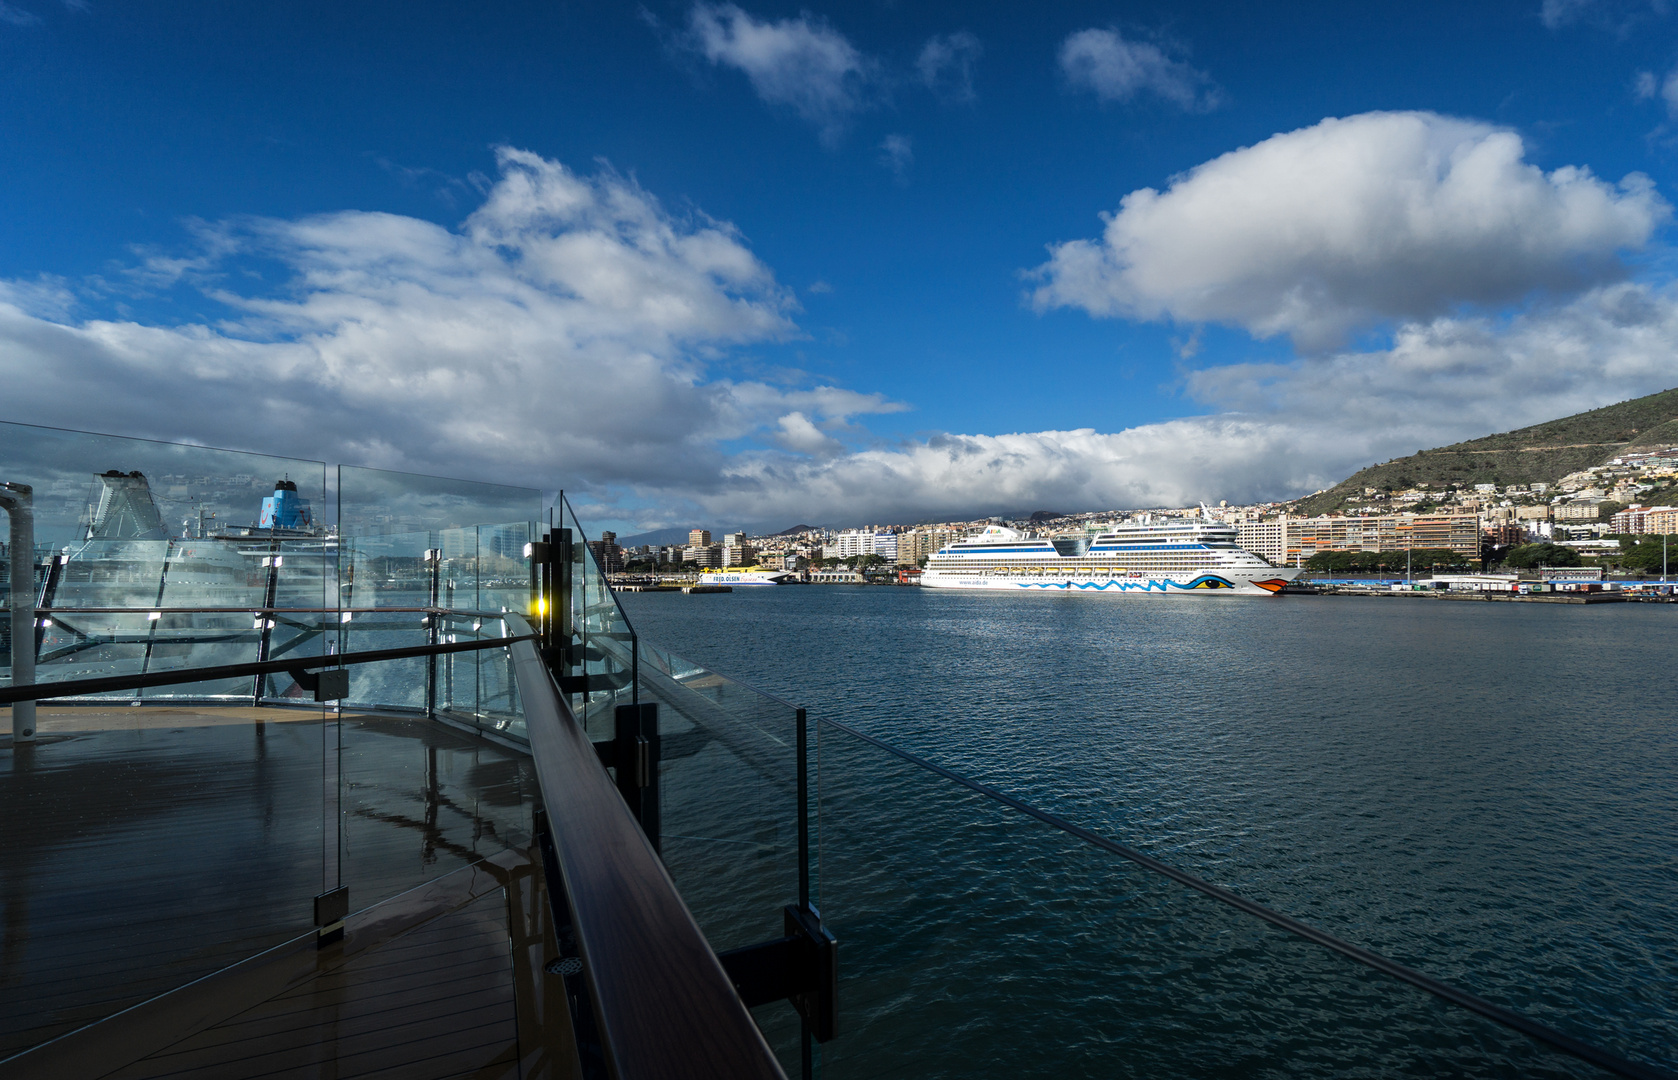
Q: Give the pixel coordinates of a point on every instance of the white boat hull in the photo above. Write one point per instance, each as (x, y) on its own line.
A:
(774, 578)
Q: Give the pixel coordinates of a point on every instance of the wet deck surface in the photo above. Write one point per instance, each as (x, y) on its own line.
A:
(150, 847)
(437, 1002)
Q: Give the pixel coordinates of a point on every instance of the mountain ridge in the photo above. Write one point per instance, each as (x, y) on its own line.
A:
(1540, 453)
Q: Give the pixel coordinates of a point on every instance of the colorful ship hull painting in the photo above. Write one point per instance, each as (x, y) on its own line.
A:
(1181, 557)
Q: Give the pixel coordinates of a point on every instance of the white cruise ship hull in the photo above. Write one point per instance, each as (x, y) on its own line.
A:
(1209, 583)
(1188, 558)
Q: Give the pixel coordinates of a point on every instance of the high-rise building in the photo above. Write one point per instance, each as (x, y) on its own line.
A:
(607, 553)
(854, 542)
(699, 538)
(918, 544)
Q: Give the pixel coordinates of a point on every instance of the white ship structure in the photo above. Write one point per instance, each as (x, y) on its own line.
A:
(1182, 556)
(746, 575)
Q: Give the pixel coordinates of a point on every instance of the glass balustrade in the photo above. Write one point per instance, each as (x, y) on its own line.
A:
(151, 846)
(162, 843)
(977, 941)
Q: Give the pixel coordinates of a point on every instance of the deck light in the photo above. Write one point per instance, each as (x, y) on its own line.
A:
(154, 616)
(346, 616)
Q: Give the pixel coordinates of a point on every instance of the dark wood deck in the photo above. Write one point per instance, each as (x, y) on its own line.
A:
(160, 866)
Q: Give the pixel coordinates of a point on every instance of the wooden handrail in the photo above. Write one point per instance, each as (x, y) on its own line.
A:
(664, 1007)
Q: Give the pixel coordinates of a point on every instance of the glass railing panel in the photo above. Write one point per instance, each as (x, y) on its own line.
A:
(167, 843)
(421, 798)
(162, 844)
(141, 527)
(386, 583)
(375, 502)
(299, 586)
(203, 574)
(728, 786)
(978, 941)
(728, 783)
(130, 529)
(484, 572)
(414, 542)
(102, 622)
(605, 641)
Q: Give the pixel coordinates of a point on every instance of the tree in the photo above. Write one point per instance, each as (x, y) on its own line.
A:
(1644, 553)
(1368, 562)
(1531, 556)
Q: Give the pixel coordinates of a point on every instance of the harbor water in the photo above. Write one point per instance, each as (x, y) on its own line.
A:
(1485, 792)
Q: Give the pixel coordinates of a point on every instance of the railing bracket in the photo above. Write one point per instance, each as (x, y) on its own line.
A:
(634, 752)
(802, 967)
(328, 684)
(331, 909)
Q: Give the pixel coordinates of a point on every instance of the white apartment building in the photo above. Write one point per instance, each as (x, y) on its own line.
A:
(854, 542)
(707, 556)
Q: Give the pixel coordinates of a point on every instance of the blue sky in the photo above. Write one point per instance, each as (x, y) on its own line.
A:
(765, 263)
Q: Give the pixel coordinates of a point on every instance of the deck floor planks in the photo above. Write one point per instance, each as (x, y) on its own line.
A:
(450, 977)
(112, 899)
(406, 1011)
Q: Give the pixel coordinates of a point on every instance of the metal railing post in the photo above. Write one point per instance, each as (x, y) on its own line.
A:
(433, 629)
(266, 622)
(559, 589)
(19, 503)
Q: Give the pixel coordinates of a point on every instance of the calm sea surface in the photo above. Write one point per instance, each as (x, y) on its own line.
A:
(1488, 792)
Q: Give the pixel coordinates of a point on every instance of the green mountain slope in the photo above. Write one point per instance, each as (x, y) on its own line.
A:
(1543, 453)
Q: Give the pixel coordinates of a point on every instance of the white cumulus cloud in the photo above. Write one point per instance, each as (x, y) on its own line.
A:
(561, 335)
(1352, 222)
(800, 434)
(1115, 69)
(801, 64)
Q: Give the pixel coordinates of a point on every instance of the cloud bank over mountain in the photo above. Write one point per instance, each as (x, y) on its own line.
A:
(573, 331)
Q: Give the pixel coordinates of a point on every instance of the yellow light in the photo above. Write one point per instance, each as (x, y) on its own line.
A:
(539, 608)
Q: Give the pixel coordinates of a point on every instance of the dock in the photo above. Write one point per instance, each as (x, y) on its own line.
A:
(1499, 597)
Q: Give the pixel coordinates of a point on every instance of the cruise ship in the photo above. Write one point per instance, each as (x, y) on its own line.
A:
(1188, 557)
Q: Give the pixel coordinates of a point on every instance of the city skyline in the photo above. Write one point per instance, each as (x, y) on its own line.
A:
(767, 263)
